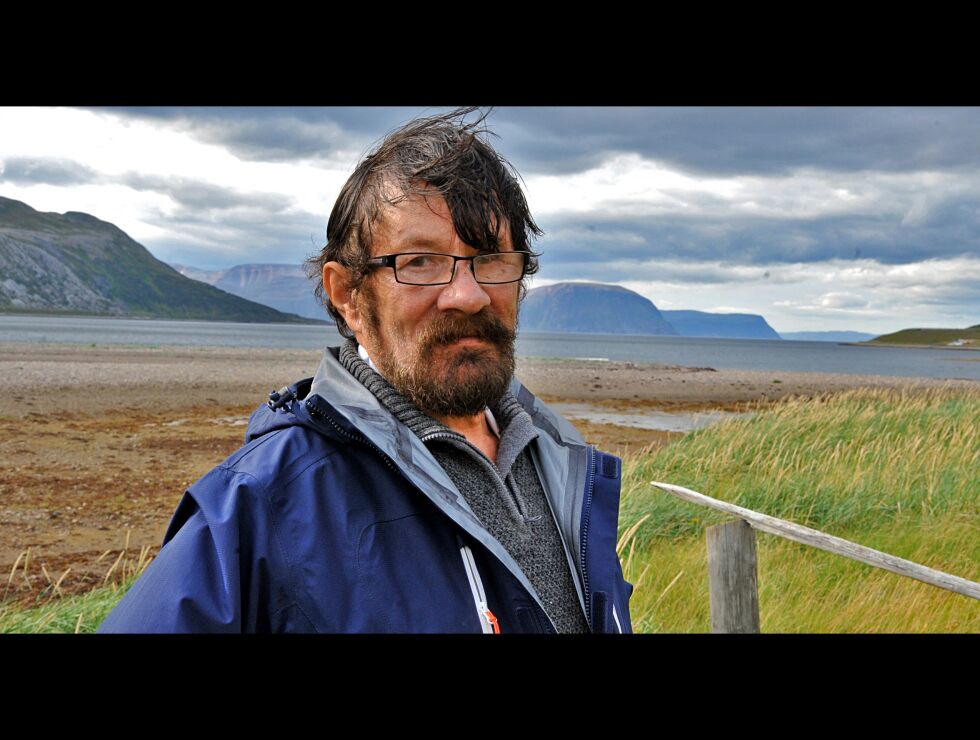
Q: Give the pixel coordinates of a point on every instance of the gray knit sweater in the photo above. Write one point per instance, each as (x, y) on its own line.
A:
(507, 497)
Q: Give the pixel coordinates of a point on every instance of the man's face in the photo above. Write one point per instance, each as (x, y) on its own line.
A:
(448, 348)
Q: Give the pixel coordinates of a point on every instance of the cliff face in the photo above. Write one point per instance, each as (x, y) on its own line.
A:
(730, 325)
(591, 307)
(74, 262)
(611, 309)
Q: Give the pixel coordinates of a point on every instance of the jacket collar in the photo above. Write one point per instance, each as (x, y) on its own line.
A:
(559, 455)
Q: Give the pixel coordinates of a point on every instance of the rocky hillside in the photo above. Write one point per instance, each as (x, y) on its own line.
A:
(76, 263)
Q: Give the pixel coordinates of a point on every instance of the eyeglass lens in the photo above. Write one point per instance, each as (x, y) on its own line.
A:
(428, 269)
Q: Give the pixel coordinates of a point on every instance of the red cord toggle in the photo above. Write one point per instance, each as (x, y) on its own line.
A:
(493, 621)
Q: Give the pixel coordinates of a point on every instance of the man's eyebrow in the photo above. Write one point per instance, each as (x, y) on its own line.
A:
(418, 241)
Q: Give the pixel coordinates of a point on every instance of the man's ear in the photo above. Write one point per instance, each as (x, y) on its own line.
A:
(336, 282)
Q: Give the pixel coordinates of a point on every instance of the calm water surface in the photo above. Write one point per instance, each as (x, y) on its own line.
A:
(743, 354)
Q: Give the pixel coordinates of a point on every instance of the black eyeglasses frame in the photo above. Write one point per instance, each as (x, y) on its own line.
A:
(388, 260)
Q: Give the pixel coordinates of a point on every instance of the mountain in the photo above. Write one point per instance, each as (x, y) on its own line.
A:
(730, 325)
(827, 336)
(599, 308)
(284, 287)
(76, 263)
(591, 307)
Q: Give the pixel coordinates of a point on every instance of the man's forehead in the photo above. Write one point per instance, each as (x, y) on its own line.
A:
(419, 220)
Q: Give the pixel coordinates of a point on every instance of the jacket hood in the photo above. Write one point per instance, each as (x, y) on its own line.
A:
(278, 412)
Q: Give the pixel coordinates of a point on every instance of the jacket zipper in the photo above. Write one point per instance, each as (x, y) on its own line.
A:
(317, 413)
(585, 535)
(487, 620)
(457, 436)
(616, 617)
(442, 435)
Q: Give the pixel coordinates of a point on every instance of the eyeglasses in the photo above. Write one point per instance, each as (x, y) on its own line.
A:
(431, 268)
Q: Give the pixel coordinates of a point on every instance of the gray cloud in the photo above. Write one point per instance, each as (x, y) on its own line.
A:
(224, 238)
(275, 140)
(725, 141)
(586, 246)
(564, 140)
(203, 197)
(48, 171)
(280, 134)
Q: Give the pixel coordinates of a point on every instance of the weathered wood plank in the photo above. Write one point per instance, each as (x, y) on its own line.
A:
(838, 545)
(732, 578)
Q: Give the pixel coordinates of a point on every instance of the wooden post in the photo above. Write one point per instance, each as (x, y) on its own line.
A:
(732, 580)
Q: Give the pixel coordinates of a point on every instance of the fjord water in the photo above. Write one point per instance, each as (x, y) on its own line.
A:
(740, 354)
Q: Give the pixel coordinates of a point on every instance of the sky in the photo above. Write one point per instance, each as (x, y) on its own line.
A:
(819, 219)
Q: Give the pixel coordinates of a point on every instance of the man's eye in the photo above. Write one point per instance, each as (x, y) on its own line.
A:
(419, 260)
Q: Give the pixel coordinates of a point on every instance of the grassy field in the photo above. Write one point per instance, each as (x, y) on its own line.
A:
(896, 470)
(53, 612)
(931, 337)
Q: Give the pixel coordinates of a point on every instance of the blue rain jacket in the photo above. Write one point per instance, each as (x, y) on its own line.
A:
(334, 517)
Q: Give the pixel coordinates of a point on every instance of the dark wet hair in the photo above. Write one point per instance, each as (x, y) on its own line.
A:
(440, 153)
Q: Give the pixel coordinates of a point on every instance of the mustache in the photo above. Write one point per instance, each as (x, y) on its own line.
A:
(486, 326)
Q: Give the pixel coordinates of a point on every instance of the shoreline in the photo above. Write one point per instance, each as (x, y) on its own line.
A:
(90, 379)
(55, 313)
(888, 345)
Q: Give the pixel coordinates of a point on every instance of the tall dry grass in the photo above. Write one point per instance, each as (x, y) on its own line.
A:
(894, 469)
(53, 611)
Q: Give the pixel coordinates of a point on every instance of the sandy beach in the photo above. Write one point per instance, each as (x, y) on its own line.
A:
(98, 443)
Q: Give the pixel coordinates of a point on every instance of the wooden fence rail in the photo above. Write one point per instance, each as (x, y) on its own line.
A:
(732, 569)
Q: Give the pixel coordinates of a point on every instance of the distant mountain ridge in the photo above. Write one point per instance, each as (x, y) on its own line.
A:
(591, 307)
(284, 287)
(77, 263)
(612, 309)
(562, 307)
(728, 325)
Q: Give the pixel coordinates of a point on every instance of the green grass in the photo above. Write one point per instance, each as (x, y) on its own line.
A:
(79, 614)
(934, 337)
(895, 470)
(51, 611)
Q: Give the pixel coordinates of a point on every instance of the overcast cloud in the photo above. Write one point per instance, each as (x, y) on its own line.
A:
(816, 218)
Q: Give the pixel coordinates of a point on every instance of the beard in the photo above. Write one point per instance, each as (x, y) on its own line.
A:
(442, 380)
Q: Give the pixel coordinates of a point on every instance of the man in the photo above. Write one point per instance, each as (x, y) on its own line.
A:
(411, 485)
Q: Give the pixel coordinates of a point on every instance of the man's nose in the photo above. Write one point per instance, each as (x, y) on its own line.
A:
(463, 293)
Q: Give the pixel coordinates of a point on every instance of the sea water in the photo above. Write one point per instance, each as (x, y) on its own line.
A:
(740, 354)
